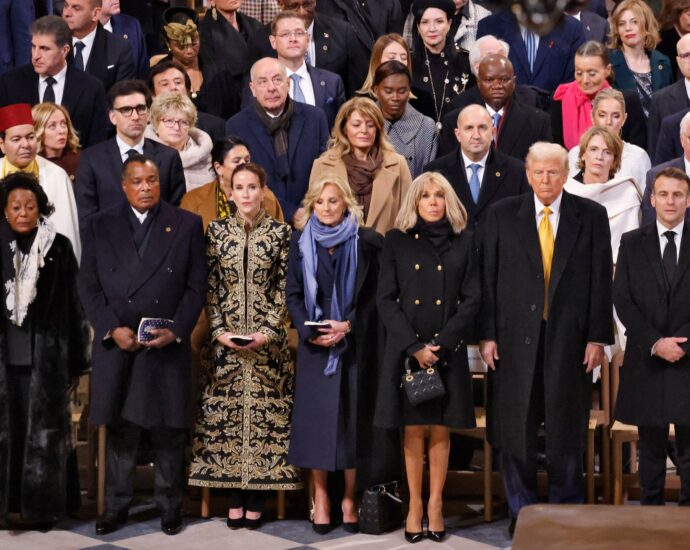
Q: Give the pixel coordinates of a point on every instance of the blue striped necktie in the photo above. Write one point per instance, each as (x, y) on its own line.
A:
(531, 45)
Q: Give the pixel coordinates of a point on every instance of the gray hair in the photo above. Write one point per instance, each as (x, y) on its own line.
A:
(251, 71)
(685, 121)
(475, 54)
(544, 150)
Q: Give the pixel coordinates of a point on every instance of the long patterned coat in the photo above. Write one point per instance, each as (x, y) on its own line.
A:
(243, 423)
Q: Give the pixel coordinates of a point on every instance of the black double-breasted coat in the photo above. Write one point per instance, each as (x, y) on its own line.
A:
(512, 313)
(316, 404)
(652, 392)
(422, 296)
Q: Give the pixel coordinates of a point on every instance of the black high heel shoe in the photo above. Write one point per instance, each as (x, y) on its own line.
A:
(415, 537)
(436, 536)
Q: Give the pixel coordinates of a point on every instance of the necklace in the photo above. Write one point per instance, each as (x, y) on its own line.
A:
(438, 109)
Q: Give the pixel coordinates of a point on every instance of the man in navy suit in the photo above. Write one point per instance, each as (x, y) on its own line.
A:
(682, 162)
(284, 136)
(310, 85)
(102, 54)
(595, 26)
(142, 258)
(15, 40)
(554, 58)
(97, 186)
(668, 144)
(128, 28)
(49, 78)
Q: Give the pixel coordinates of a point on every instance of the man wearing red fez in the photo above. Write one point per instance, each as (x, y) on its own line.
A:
(18, 143)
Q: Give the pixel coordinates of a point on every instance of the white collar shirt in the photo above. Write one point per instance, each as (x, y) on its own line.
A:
(468, 170)
(124, 147)
(140, 216)
(663, 241)
(88, 45)
(305, 84)
(555, 215)
(58, 87)
(311, 50)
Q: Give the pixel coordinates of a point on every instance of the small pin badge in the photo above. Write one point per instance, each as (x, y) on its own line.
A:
(498, 174)
(168, 229)
(661, 67)
(125, 36)
(322, 83)
(425, 79)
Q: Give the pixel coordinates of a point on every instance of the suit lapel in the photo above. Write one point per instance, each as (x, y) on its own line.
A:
(295, 132)
(463, 189)
(513, 118)
(362, 269)
(518, 50)
(71, 93)
(319, 91)
(259, 130)
(527, 230)
(545, 43)
(493, 177)
(684, 257)
(566, 237)
(650, 245)
(120, 236)
(382, 189)
(98, 63)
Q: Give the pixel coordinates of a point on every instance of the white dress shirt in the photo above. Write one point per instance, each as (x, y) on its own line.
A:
(124, 147)
(108, 26)
(141, 217)
(663, 241)
(58, 87)
(311, 50)
(480, 171)
(555, 215)
(305, 84)
(687, 87)
(88, 45)
(523, 30)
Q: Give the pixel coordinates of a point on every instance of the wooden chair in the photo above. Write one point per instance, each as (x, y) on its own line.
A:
(599, 417)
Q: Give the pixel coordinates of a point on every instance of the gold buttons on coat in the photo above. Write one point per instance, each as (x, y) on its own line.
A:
(439, 267)
(416, 266)
(416, 235)
(416, 302)
(438, 302)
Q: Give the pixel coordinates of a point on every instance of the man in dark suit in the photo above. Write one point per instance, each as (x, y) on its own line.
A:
(15, 40)
(546, 316)
(668, 145)
(128, 28)
(169, 76)
(681, 162)
(310, 85)
(651, 292)
(553, 60)
(671, 99)
(97, 185)
(50, 78)
(143, 258)
(497, 174)
(104, 55)
(517, 124)
(595, 26)
(284, 136)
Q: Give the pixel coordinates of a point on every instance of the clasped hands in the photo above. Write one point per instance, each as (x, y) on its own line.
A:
(331, 336)
(594, 354)
(426, 356)
(126, 338)
(669, 348)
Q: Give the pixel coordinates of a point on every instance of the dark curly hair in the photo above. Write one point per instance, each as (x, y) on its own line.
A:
(22, 180)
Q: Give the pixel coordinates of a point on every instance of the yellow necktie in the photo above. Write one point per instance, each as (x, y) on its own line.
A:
(546, 242)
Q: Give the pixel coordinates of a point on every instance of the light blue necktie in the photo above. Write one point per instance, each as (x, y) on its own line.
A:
(78, 57)
(297, 94)
(474, 182)
(531, 45)
(496, 118)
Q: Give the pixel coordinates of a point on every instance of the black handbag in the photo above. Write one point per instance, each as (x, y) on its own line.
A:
(380, 509)
(422, 385)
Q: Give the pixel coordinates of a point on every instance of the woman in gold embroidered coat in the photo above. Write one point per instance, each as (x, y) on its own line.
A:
(243, 424)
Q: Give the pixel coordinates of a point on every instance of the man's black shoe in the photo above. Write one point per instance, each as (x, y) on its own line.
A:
(171, 525)
(108, 523)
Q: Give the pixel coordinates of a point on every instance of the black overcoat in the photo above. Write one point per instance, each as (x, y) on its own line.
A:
(149, 387)
(60, 351)
(653, 392)
(423, 296)
(512, 313)
(315, 409)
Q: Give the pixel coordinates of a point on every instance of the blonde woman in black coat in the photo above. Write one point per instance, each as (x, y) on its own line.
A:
(428, 297)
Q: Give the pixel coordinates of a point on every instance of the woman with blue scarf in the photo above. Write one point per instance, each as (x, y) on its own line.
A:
(332, 274)
(428, 298)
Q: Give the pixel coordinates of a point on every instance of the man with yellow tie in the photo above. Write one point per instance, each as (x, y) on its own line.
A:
(546, 315)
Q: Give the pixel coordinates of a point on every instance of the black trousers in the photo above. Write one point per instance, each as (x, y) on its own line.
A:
(652, 472)
(248, 499)
(121, 461)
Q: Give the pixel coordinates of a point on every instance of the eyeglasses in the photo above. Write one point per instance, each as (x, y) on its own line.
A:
(684, 56)
(276, 81)
(170, 123)
(128, 110)
(292, 34)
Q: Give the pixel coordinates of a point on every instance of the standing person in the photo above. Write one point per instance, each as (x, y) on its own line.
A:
(45, 349)
(241, 440)
(389, 47)
(128, 28)
(650, 292)
(360, 153)
(15, 39)
(674, 23)
(429, 293)
(555, 247)
(332, 276)
(56, 137)
(143, 258)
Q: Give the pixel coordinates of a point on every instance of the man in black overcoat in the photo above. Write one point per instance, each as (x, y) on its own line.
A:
(546, 316)
(651, 292)
(143, 258)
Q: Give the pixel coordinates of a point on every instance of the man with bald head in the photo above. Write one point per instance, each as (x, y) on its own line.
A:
(517, 124)
(479, 174)
(284, 136)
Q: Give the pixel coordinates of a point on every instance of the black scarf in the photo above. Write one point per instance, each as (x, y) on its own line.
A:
(278, 127)
(437, 233)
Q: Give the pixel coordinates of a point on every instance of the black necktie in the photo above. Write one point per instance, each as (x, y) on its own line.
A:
(49, 94)
(131, 152)
(78, 58)
(670, 257)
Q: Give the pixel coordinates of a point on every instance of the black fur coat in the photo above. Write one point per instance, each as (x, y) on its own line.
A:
(61, 350)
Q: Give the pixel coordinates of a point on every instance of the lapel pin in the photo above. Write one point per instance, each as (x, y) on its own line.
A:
(322, 83)
(661, 67)
(168, 229)
(498, 174)
(125, 36)
(325, 35)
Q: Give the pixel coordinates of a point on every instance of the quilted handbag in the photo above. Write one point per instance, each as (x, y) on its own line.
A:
(422, 385)
(380, 509)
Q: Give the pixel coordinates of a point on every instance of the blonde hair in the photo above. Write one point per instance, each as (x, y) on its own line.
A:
(314, 192)
(608, 93)
(41, 113)
(612, 141)
(375, 60)
(455, 211)
(367, 109)
(649, 25)
(172, 101)
(545, 150)
(181, 34)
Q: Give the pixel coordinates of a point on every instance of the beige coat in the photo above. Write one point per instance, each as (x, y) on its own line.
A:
(390, 185)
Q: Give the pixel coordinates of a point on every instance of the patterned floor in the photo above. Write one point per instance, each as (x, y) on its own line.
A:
(142, 532)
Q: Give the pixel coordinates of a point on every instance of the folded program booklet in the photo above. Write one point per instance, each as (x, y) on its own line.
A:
(149, 323)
